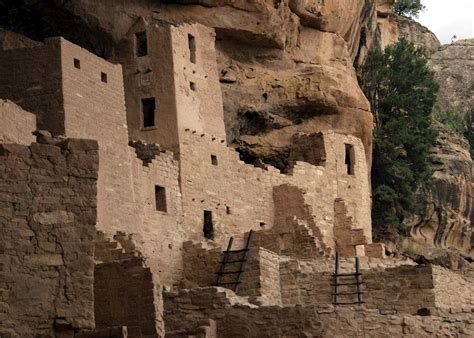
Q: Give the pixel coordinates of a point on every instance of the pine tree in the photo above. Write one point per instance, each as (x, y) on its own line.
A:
(408, 8)
(402, 91)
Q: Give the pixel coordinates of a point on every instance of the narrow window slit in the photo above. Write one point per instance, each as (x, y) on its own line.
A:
(192, 48)
(349, 159)
(160, 198)
(208, 227)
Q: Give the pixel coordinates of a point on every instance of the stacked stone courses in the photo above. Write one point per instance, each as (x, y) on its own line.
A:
(110, 227)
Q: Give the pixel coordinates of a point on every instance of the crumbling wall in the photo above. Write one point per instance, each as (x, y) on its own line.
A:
(234, 317)
(17, 125)
(47, 225)
(124, 295)
(452, 290)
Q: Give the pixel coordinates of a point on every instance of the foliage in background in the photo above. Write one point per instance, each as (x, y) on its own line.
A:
(408, 8)
(463, 125)
(452, 120)
(402, 91)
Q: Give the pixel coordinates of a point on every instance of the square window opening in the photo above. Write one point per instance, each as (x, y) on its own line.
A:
(214, 160)
(148, 111)
(103, 77)
(77, 63)
(160, 198)
(192, 48)
(208, 226)
(141, 44)
(349, 159)
(192, 85)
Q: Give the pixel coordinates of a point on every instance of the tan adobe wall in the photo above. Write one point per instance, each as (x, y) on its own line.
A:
(234, 317)
(31, 77)
(47, 225)
(166, 74)
(452, 290)
(95, 109)
(200, 109)
(248, 191)
(124, 296)
(17, 125)
(150, 76)
(159, 235)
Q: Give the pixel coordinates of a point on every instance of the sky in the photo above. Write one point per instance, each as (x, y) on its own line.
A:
(446, 18)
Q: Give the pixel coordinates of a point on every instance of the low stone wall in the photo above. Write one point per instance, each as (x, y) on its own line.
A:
(452, 290)
(234, 317)
(47, 228)
(260, 280)
(402, 288)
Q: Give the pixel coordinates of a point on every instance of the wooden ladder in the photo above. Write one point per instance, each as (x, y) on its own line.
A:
(231, 258)
(348, 279)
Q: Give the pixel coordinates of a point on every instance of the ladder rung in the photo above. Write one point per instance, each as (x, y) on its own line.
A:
(235, 251)
(228, 272)
(347, 274)
(352, 283)
(227, 283)
(348, 293)
(349, 303)
(234, 261)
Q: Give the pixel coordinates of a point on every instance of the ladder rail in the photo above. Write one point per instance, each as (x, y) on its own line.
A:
(244, 260)
(222, 266)
(357, 283)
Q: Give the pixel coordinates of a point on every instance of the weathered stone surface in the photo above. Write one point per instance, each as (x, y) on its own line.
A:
(447, 221)
(454, 68)
(418, 34)
(47, 231)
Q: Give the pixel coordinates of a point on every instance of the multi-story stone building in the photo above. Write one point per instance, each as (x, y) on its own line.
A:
(169, 194)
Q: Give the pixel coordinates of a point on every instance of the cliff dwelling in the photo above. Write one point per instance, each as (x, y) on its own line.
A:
(126, 210)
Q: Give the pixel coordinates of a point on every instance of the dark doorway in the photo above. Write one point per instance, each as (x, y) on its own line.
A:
(208, 228)
(349, 159)
(141, 43)
(160, 198)
(148, 110)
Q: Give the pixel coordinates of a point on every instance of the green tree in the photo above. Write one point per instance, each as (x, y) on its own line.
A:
(408, 8)
(402, 90)
(452, 120)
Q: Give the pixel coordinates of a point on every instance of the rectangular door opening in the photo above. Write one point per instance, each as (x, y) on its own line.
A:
(208, 228)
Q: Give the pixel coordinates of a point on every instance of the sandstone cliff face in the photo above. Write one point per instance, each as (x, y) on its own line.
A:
(418, 34)
(454, 67)
(447, 221)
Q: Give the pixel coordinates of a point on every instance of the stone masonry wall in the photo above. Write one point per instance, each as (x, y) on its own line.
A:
(96, 109)
(124, 295)
(31, 77)
(403, 288)
(150, 76)
(234, 317)
(17, 125)
(47, 225)
(452, 290)
(241, 197)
